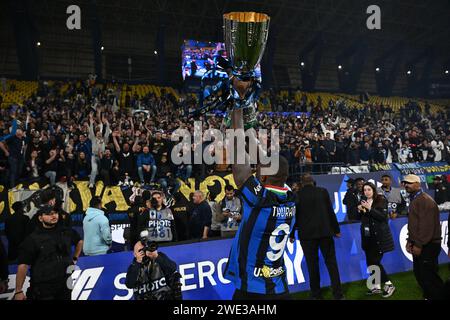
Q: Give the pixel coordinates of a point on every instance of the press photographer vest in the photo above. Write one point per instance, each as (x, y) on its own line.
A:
(152, 284)
(160, 225)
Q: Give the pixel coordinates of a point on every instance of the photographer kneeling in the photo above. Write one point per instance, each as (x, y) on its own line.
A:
(152, 275)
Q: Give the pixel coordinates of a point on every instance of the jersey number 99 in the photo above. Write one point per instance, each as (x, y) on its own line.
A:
(277, 248)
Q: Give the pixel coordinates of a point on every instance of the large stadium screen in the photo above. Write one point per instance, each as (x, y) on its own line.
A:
(199, 57)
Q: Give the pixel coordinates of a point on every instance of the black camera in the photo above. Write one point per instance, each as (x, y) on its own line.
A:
(154, 203)
(149, 245)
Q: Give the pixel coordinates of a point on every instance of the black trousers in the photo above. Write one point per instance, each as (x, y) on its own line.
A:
(426, 269)
(311, 251)
(373, 258)
(243, 295)
(109, 177)
(62, 293)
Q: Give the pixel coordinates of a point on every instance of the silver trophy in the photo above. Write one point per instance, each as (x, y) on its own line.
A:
(245, 35)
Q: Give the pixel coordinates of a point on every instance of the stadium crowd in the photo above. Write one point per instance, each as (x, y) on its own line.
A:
(81, 133)
(75, 130)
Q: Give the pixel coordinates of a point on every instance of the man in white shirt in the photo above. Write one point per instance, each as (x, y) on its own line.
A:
(437, 146)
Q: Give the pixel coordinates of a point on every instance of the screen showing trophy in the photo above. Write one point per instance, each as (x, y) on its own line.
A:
(200, 59)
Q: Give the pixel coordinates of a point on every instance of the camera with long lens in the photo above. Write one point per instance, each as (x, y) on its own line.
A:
(149, 245)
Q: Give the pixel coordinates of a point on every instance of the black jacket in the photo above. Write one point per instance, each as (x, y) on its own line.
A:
(159, 282)
(440, 194)
(315, 217)
(49, 253)
(200, 217)
(127, 163)
(15, 146)
(3, 263)
(379, 234)
(16, 229)
(351, 202)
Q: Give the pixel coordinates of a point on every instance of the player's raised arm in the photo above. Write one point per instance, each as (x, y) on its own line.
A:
(241, 172)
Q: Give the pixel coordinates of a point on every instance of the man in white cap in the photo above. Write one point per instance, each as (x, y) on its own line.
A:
(424, 238)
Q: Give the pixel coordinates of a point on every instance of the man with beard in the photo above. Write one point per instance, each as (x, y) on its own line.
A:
(396, 202)
(424, 238)
(159, 146)
(48, 252)
(352, 199)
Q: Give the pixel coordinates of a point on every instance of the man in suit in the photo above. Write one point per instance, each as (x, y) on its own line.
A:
(316, 224)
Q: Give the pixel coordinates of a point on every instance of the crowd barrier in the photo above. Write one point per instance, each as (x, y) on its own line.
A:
(201, 265)
(77, 200)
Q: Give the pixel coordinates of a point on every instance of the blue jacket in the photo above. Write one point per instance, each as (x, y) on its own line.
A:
(85, 147)
(12, 133)
(97, 233)
(145, 159)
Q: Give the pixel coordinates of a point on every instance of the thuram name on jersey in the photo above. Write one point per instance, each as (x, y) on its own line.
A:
(283, 212)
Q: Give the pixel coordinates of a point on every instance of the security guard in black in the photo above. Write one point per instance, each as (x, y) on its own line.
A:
(48, 251)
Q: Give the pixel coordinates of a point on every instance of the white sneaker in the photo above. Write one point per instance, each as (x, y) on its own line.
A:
(388, 290)
(120, 183)
(373, 291)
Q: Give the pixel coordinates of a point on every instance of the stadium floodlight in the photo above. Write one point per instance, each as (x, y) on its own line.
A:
(446, 71)
(339, 67)
(102, 48)
(302, 64)
(38, 44)
(408, 72)
(377, 69)
(155, 52)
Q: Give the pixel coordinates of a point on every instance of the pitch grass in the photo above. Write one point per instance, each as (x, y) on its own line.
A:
(405, 283)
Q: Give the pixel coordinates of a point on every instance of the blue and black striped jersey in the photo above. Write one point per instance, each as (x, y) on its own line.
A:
(256, 262)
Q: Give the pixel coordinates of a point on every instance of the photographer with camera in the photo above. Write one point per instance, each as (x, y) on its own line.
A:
(152, 275)
(231, 207)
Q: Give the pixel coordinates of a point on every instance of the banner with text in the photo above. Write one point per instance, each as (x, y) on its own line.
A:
(201, 265)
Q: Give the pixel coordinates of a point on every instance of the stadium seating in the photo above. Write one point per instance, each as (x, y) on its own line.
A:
(24, 89)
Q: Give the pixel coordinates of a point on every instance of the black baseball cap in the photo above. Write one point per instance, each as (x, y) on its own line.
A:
(45, 209)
